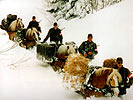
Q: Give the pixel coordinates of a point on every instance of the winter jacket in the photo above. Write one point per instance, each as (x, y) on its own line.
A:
(34, 24)
(126, 81)
(55, 35)
(86, 47)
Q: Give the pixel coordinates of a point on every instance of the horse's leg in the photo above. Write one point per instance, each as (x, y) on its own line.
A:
(12, 35)
(30, 44)
(89, 93)
(9, 34)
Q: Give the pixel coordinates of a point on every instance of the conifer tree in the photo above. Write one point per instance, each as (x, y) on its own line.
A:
(69, 9)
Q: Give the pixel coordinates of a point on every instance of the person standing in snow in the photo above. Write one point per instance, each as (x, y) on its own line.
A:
(127, 77)
(88, 48)
(54, 34)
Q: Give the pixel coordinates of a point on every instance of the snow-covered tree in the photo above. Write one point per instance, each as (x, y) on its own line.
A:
(69, 9)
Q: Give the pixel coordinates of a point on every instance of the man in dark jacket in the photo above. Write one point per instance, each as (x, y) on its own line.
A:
(34, 23)
(127, 79)
(54, 34)
(88, 48)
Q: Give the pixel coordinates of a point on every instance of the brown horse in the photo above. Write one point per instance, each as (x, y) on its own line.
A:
(102, 78)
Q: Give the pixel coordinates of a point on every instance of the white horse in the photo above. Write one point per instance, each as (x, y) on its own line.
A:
(65, 50)
(14, 26)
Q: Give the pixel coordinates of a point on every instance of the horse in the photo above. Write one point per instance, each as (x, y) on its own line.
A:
(31, 37)
(62, 53)
(103, 81)
(13, 27)
(65, 50)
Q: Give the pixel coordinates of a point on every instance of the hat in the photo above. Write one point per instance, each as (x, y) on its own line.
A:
(34, 17)
(55, 24)
(119, 60)
(90, 35)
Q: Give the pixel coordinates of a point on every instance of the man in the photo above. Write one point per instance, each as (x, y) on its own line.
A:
(127, 78)
(88, 48)
(34, 23)
(54, 34)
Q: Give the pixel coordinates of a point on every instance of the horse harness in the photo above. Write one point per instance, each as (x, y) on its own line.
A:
(113, 86)
(87, 85)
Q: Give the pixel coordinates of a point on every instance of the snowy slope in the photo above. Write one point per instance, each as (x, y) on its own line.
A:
(23, 77)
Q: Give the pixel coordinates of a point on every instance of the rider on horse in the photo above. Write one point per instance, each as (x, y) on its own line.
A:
(34, 24)
(54, 34)
(125, 73)
(88, 48)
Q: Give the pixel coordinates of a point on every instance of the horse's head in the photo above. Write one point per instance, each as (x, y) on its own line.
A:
(20, 24)
(113, 81)
(16, 24)
(70, 49)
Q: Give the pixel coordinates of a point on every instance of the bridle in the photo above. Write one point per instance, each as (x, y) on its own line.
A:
(17, 25)
(113, 86)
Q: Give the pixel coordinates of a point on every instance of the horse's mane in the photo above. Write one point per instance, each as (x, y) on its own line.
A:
(100, 71)
(117, 74)
(32, 32)
(13, 25)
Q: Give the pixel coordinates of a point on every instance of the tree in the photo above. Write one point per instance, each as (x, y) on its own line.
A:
(69, 9)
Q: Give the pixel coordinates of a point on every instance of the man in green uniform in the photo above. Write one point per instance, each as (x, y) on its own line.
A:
(88, 48)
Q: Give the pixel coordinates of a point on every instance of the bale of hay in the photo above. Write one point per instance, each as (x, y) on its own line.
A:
(75, 70)
(110, 63)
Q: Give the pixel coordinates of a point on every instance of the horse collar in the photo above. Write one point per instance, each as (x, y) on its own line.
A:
(106, 90)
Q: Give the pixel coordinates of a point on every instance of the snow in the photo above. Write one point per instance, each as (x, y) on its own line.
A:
(23, 77)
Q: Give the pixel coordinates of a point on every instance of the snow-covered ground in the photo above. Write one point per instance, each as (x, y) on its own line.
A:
(23, 77)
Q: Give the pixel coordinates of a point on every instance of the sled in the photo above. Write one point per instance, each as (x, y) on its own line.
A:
(46, 51)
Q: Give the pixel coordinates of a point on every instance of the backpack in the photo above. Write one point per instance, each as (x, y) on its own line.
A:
(10, 18)
(4, 24)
